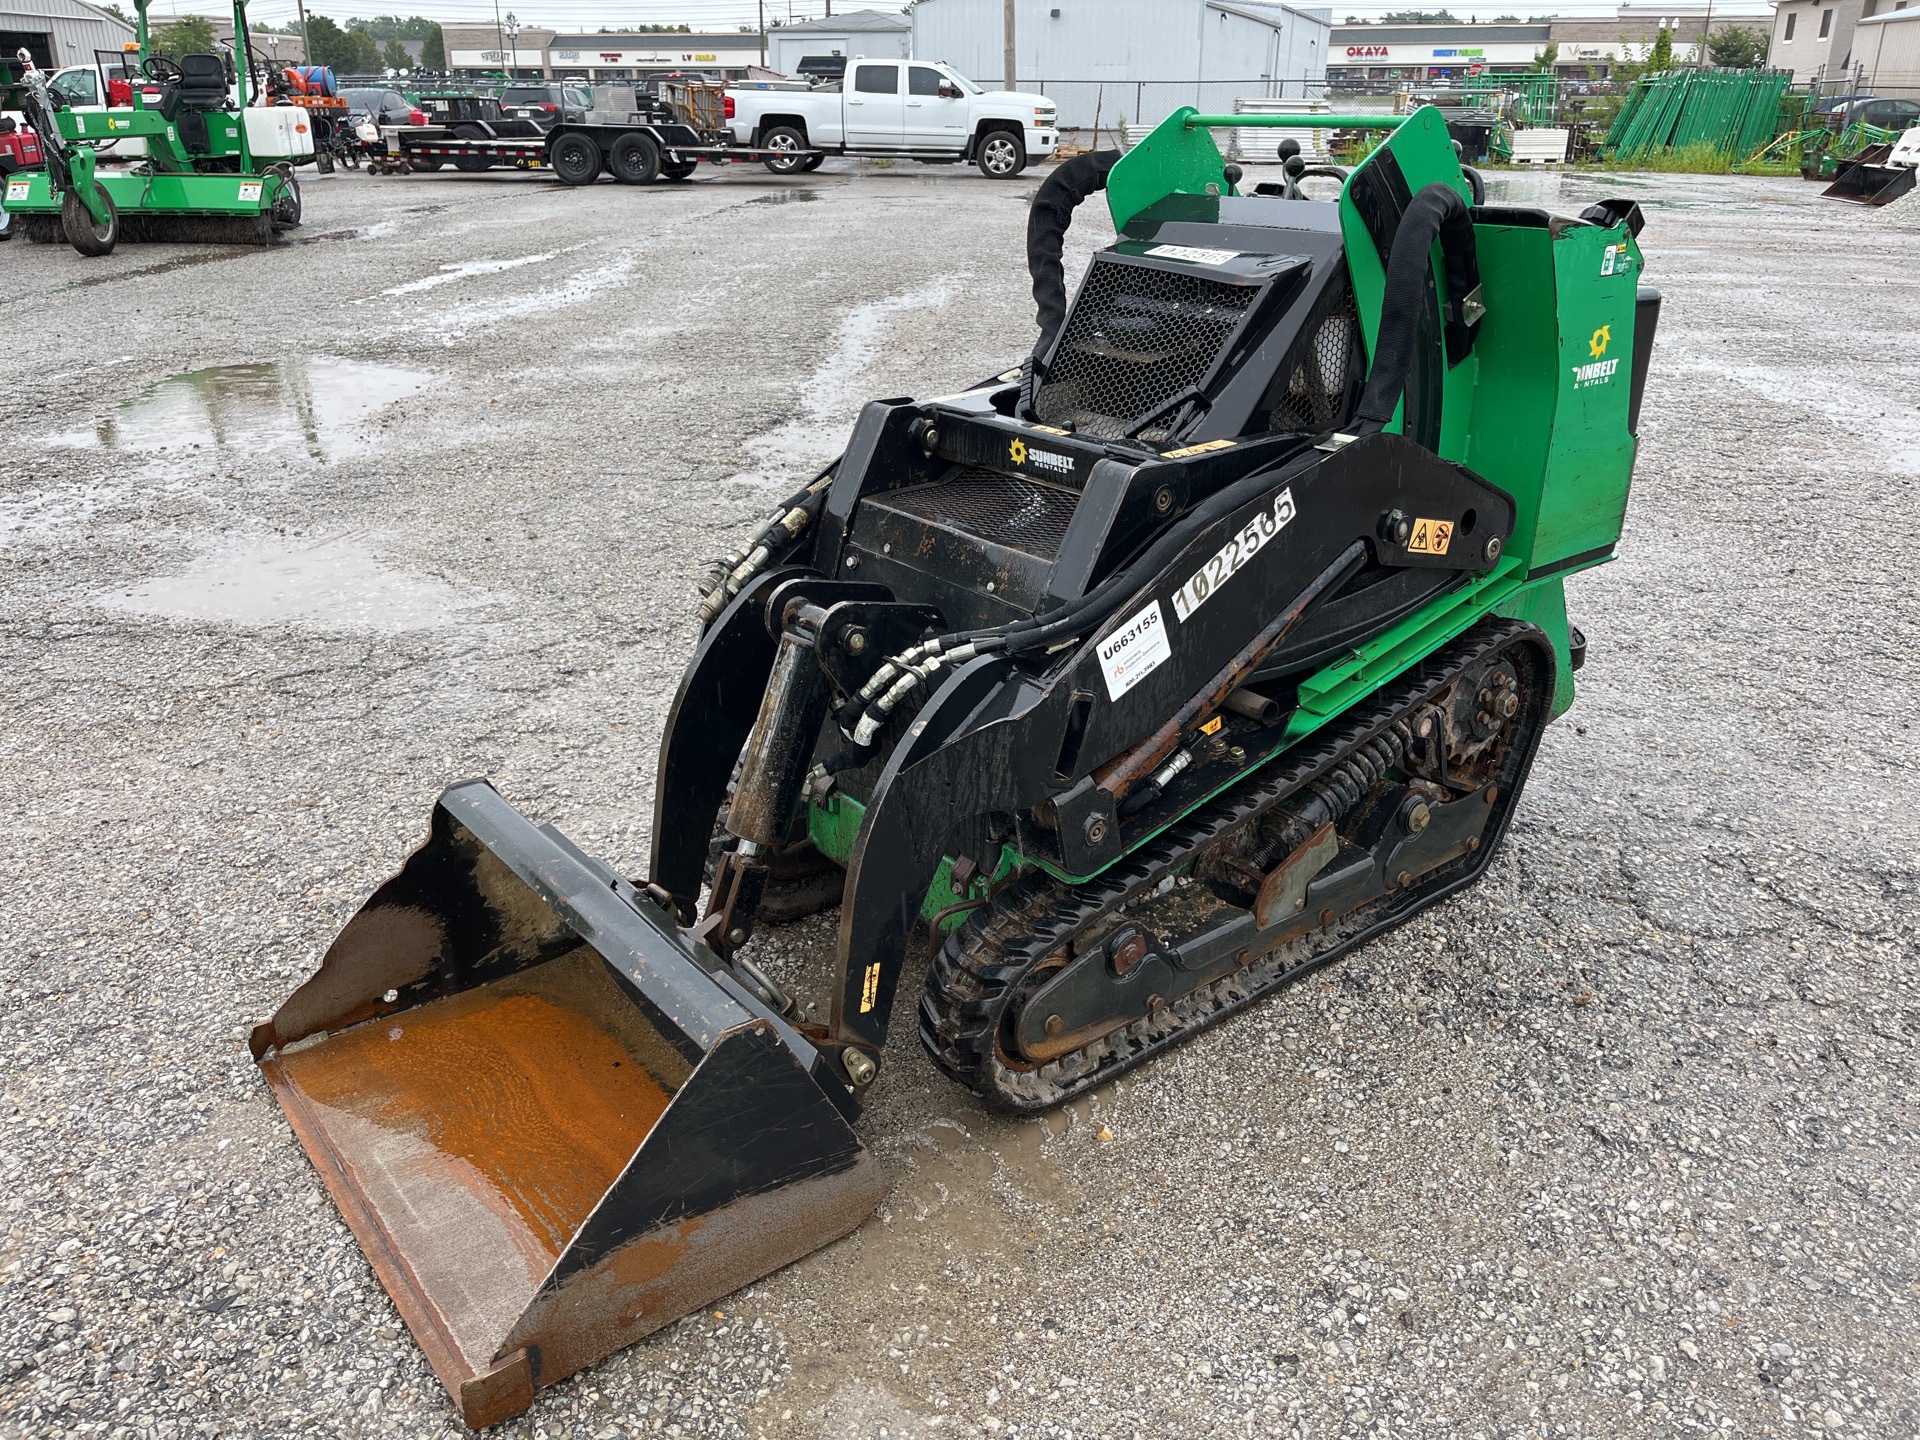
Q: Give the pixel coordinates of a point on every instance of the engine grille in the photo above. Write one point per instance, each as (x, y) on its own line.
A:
(1007, 510)
(1136, 338)
(1327, 364)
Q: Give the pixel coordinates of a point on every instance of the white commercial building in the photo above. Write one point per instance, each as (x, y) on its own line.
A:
(873, 33)
(1887, 49)
(59, 32)
(1137, 60)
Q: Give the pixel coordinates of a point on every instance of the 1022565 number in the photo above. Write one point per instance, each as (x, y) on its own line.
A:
(1238, 550)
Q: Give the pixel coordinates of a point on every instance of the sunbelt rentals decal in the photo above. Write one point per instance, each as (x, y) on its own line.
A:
(1596, 371)
(1021, 453)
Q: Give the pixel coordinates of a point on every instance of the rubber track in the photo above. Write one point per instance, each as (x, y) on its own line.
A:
(984, 959)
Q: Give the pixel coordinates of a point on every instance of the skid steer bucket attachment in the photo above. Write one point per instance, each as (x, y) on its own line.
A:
(1873, 177)
(553, 1124)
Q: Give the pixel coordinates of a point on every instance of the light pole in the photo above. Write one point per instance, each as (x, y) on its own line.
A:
(513, 40)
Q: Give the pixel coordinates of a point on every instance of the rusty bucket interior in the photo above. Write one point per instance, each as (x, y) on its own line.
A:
(552, 1123)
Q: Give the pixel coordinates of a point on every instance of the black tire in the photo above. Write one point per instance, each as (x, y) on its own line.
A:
(84, 233)
(575, 158)
(812, 163)
(6, 225)
(1000, 154)
(784, 138)
(428, 166)
(470, 164)
(634, 160)
(680, 171)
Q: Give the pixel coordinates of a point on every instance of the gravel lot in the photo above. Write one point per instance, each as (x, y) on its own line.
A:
(1623, 1142)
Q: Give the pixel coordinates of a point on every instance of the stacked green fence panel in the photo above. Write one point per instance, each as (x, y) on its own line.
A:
(1732, 111)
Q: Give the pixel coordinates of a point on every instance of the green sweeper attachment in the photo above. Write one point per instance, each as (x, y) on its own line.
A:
(217, 170)
(1211, 641)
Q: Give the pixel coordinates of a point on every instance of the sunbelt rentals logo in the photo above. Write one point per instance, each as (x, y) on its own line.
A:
(1596, 371)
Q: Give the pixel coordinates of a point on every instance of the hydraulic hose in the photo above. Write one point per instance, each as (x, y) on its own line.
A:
(1062, 193)
(1436, 213)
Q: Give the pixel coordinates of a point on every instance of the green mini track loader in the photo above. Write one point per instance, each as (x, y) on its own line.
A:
(217, 169)
(1210, 641)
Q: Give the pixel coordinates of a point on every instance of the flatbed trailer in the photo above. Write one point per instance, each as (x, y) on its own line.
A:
(634, 153)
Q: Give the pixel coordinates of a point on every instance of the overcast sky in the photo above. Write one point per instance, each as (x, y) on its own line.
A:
(731, 14)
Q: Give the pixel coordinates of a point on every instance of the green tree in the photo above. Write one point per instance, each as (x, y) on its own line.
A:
(1420, 17)
(1548, 57)
(433, 51)
(1738, 47)
(189, 35)
(395, 57)
(393, 27)
(117, 13)
(350, 52)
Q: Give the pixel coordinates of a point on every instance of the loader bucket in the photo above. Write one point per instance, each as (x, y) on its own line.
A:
(1867, 180)
(552, 1123)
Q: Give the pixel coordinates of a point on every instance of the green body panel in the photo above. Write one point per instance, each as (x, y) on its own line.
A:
(834, 825)
(242, 196)
(1178, 157)
(1549, 417)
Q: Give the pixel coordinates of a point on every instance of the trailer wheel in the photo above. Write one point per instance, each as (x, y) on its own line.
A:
(634, 160)
(471, 164)
(680, 171)
(85, 233)
(1002, 155)
(784, 140)
(576, 159)
(812, 162)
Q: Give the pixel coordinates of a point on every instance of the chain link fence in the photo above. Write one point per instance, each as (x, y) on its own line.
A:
(1108, 114)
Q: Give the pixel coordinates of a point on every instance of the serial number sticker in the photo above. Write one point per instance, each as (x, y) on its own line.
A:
(1134, 651)
(249, 189)
(870, 987)
(1613, 259)
(1430, 537)
(1202, 584)
(17, 189)
(1199, 254)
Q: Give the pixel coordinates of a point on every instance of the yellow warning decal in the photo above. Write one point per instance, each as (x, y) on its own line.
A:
(1199, 449)
(1430, 537)
(870, 988)
(1212, 727)
(1051, 429)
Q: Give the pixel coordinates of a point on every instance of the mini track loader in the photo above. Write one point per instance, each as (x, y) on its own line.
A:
(216, 170)
(1214, 639)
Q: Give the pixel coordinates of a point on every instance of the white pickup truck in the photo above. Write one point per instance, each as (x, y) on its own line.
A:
(911, 108)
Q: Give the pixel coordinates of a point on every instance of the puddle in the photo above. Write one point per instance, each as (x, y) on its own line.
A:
(330, 584)
(831, 398)
(312, 406)
(787, 197)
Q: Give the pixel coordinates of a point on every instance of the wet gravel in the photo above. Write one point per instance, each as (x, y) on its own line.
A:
(1620, 1143)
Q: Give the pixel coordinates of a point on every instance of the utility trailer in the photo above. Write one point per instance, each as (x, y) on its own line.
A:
(630, 135)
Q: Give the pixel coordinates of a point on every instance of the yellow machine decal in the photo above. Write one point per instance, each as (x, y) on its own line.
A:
(1430, 537)
(870, 985)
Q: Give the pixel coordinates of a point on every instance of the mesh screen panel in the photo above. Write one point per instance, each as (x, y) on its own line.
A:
(1314, 396)
(1137, 337)
(1005, 509)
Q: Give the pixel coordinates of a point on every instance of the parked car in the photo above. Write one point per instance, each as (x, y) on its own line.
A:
(1871, 109)
(910, 108)
(382, 106)
(545, 104)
